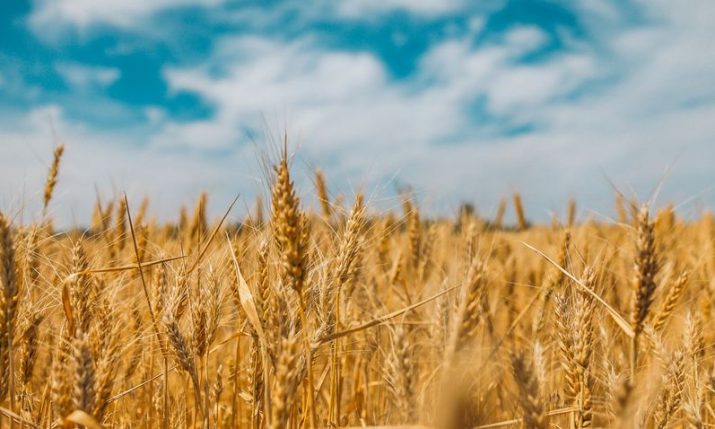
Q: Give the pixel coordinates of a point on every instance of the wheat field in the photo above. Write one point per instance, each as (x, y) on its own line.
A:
(333, 316)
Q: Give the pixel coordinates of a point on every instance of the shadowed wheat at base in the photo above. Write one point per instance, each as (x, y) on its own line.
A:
(330, 313)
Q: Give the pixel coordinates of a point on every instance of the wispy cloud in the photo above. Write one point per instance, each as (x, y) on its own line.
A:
(84, 77)
(370, 8)
(85, 13)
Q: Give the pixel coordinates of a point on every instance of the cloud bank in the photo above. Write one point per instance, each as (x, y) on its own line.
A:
(493, 101)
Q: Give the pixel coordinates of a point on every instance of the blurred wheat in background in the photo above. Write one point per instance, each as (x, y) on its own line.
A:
(348, 317)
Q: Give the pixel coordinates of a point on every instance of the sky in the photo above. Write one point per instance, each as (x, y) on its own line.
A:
(459, 100)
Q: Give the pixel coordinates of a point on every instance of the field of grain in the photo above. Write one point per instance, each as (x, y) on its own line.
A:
(347, 317)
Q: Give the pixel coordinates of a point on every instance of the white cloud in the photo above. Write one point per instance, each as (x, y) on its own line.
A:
(84, 77)
(525, 38)
(155, 115)
(343, 101)
(110, 163)
(370, 8)
(271, 78)
(529, 87)
(84, 13)
(50, 17)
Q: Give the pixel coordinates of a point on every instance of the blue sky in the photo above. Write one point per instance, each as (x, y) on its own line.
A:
(461, 100)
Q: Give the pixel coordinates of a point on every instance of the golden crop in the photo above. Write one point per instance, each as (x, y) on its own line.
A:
(349, 318)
